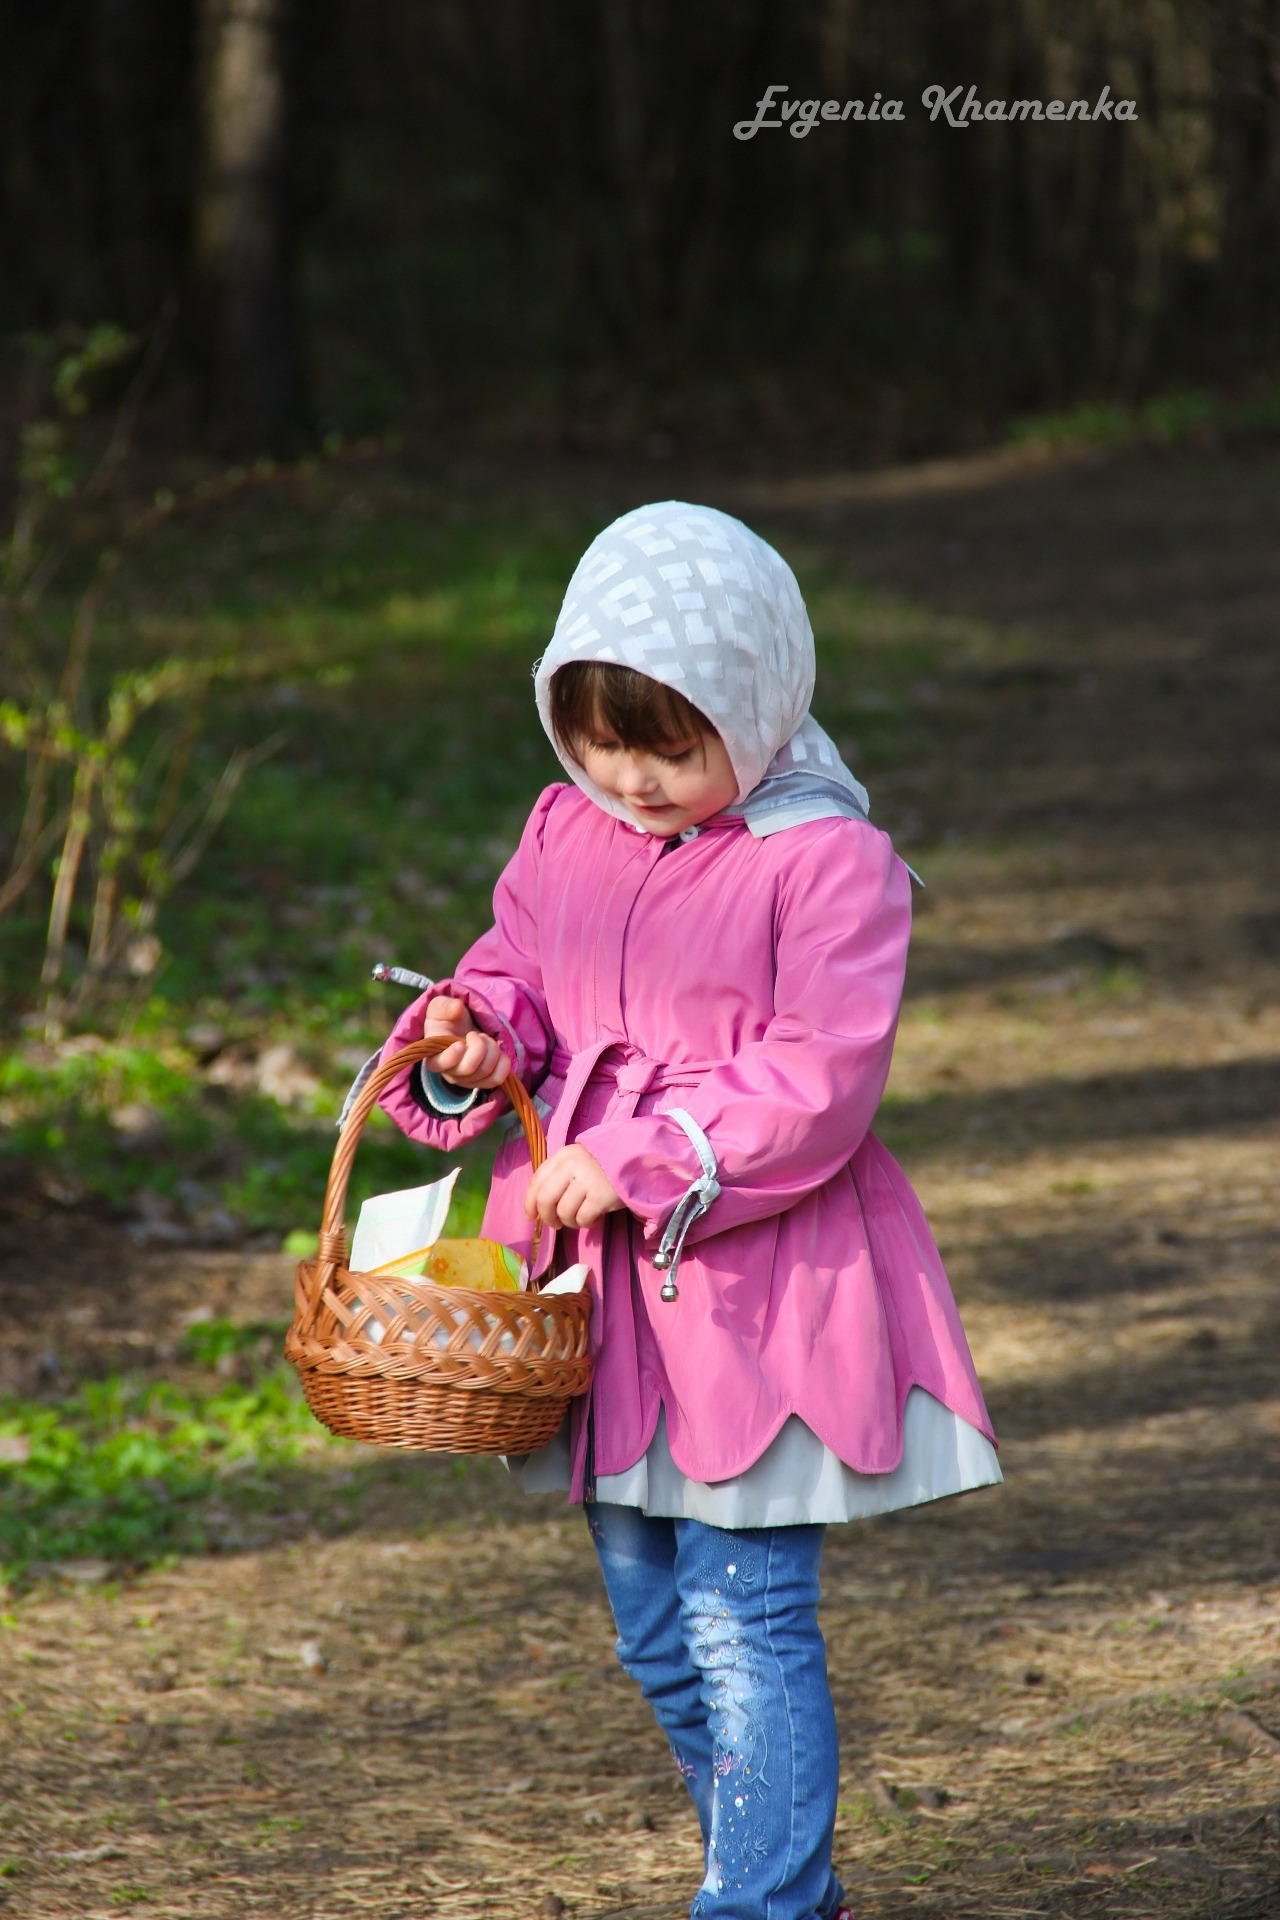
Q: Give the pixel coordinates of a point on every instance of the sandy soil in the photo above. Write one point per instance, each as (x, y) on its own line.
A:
(1059, 1698)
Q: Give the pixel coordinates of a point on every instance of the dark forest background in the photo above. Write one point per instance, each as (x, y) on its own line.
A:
(424, 213)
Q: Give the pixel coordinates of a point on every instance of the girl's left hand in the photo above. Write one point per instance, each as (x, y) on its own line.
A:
(571, 1189)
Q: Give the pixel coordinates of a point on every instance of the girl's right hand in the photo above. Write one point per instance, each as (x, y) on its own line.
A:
(476, 1060)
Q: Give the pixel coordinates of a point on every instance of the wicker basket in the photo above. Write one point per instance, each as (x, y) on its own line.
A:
(406, 1363)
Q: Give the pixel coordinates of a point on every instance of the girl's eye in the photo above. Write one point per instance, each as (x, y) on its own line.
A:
(674, 759)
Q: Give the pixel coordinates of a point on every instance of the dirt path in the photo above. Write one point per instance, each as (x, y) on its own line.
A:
(1062, 1698)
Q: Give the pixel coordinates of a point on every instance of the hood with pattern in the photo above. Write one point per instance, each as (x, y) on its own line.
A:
(694, 599)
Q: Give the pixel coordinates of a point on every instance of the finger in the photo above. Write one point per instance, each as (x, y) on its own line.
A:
(591, 1208)
(486, 1052)
(447, 1017)
(462, 1062)
(496, 1065)
(533, 1192)
(567, 1195)
(566, 1214)
(551, 1198)
(571, 1205)
(444, 1007)
(486, 1066)
(465, 1074)
(548, 1207)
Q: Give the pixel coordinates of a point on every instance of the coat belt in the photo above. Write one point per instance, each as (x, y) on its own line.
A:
(633, 1074)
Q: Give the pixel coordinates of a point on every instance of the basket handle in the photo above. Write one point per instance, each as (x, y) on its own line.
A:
(332, 1251)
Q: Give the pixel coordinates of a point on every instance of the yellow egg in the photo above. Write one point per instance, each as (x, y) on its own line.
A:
(473, 1263)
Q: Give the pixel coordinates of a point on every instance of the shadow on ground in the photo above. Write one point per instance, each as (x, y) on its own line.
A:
(1144, 1103)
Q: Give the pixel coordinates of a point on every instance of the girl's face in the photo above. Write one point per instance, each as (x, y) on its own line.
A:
(663, 792)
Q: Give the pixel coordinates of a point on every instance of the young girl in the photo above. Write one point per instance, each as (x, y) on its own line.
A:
(697, 961)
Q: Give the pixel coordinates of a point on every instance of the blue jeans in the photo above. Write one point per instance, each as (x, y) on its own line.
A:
(721, 1632)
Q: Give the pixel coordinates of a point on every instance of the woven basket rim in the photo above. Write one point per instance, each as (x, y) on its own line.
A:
(361, 1356)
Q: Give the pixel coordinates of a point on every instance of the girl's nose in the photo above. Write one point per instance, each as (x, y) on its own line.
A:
(635, 777)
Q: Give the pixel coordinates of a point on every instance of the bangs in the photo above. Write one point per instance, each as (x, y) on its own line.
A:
(593, 696)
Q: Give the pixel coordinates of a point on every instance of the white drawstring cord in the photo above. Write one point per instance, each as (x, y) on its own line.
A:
(690, 1207)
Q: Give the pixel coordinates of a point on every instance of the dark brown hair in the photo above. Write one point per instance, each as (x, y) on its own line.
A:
(590, 696)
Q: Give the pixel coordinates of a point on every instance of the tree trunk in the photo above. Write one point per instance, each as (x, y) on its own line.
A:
(242, 228)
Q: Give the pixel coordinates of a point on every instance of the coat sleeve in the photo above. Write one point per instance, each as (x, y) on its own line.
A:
(500, 978)
(791, 1108)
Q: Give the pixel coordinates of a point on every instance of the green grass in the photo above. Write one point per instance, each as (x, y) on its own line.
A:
(118, 1471)
(220, 1455)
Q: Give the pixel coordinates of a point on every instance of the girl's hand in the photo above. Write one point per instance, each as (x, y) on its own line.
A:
(571, 1189)
(476, 1060)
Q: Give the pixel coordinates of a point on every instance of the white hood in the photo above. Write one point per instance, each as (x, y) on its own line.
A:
(692, 598)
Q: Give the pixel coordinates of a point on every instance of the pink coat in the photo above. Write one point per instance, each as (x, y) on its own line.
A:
(756, 984)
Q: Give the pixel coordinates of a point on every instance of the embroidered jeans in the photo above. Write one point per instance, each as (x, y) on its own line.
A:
(721, 1632)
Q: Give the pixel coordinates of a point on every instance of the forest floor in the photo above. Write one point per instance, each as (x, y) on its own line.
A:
(392, 1691)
